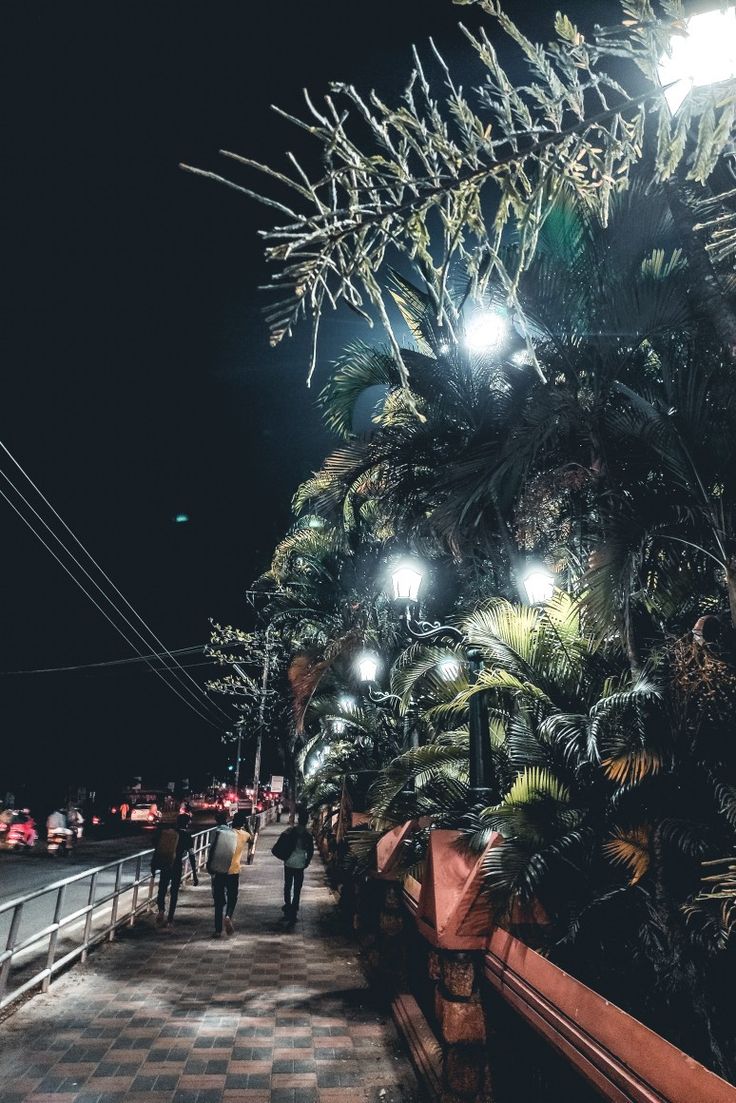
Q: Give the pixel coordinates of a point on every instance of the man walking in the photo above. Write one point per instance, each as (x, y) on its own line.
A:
(229, 845)
(295, 848)
(173, 845)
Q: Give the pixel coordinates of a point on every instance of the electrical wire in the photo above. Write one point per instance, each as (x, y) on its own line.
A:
(97, 586)
(108, 599)
(107, 578)
(198, 648)
(107, 617)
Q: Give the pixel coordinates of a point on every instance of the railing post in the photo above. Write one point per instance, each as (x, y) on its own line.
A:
(53, 937)
(115, 899)
(134, 909)
(9, 946)
(461, 1019)
(88, 918)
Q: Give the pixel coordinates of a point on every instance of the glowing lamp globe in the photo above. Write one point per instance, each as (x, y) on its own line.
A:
(367, 668)
(338, 726)
(486, 332)
(449, 669)
(406, 580)
(705, 55)
(539, 586)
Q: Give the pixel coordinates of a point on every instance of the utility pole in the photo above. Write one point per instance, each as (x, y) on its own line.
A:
(239, 726)
(261, 716)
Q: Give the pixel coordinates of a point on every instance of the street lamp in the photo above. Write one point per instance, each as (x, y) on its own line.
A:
(539, 585)
(481, 771)
(449, 669)
(367, 670)
(486, 331)
(367, 667)
(406, 580)
(706, 54)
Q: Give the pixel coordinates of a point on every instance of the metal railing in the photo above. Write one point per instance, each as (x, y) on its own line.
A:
(99, 901)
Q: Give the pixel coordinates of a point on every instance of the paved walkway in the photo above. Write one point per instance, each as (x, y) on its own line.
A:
(270, 1015)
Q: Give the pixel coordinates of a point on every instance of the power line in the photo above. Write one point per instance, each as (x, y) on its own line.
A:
(97, 586)
(198, 648)
(104, 613)
(107, 578)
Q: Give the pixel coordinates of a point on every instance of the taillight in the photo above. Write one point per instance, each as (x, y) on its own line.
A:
(151, 817)
(113, 810)
(95, 819)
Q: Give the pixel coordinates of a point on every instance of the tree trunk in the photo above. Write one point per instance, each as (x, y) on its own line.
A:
(731, 587)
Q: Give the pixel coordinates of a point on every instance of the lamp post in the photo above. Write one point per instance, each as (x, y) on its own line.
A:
(406, 582)
(367, 664)
(539, 585)
(705, 54)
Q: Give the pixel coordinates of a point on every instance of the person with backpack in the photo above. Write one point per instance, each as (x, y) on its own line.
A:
(173, 845)
(229, 846)
(295, 848)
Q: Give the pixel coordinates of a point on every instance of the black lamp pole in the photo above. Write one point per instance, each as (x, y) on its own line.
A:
(481, 766)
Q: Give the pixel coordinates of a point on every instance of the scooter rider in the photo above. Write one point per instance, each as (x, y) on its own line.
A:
(57, 821)
(75, 820)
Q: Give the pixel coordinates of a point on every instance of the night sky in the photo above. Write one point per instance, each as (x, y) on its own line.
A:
(137, 379)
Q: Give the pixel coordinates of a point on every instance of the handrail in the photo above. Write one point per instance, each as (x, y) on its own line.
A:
(625, 1060)
(111, 910)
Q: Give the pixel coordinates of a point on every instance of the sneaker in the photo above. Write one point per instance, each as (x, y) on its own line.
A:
(160, 919)
(228, 925)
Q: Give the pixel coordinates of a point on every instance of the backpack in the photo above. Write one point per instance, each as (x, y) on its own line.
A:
(222, 851)
(298, 859)
(284, 845)
(164, 855)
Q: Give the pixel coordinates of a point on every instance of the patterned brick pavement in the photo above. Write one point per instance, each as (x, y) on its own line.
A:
(270, 1015)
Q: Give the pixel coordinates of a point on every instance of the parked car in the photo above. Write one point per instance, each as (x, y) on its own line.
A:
(147, 814)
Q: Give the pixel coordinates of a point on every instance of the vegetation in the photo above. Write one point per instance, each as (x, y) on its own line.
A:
(596, 435)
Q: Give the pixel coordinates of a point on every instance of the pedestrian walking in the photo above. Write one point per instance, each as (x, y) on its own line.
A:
(173, 845)
(229, 846)
(295, 848)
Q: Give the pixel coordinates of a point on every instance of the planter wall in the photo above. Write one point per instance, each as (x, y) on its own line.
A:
(620, 1057)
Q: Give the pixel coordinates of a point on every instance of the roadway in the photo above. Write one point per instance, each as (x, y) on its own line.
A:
(25, 871)
(22, 873)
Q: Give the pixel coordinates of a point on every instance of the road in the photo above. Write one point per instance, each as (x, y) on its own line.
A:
(24, 873)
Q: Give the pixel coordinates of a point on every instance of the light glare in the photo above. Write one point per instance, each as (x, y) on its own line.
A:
(486, 332)
(539, 585)
(706, 55)
(406, 580)
(449, 669)
(367, 668)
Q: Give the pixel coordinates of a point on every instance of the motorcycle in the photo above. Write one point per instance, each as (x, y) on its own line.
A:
(60, 841)
(20, 834)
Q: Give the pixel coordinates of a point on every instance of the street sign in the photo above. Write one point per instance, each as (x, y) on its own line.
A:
(277, 783)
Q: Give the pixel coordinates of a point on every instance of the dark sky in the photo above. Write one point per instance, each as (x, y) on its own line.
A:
(137, 381)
